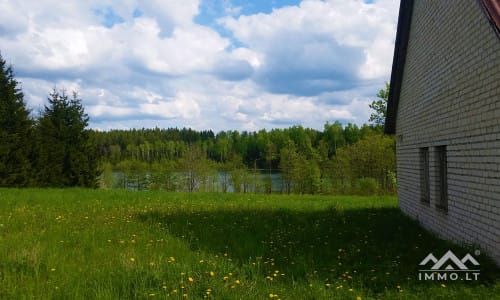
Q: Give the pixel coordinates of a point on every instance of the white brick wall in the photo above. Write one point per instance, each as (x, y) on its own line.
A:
(451, 96)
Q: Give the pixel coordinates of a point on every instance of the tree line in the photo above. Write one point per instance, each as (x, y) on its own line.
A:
(57, 149)
(338, 159)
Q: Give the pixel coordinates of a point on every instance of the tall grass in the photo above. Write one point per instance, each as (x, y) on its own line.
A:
(89, 244)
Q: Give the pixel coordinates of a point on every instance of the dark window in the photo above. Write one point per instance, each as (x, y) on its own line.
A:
(442, 180)
(424, 175)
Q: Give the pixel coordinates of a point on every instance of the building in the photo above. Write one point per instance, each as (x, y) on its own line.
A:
(444, 108)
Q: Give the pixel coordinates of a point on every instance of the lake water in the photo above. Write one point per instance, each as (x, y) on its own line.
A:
(256, 182)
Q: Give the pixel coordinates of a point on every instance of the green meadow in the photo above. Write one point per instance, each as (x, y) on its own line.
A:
(115, 244)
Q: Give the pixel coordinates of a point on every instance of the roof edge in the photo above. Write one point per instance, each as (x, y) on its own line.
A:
(398, 62)
(491, 9)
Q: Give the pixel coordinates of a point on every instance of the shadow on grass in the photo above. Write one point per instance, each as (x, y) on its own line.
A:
(374, 248)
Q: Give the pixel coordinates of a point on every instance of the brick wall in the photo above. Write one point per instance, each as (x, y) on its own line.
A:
(451, 96)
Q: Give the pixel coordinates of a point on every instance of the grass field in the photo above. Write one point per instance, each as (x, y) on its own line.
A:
(95, 244)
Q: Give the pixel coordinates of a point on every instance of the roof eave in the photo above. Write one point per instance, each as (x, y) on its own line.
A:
(400, 48)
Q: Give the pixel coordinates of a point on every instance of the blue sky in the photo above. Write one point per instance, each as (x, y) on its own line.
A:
(204, 64)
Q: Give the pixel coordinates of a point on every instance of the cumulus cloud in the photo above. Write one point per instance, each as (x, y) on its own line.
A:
(318, 46)
(162, 63)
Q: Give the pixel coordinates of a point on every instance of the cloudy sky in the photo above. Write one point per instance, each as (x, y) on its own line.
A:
(204, 64)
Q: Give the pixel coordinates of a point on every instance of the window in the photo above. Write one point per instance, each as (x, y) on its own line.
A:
(424, 175)
(442, 180)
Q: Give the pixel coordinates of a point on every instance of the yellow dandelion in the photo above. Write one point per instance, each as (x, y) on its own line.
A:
(52, 270)
(350, 290)
(225, 278)
(237, 281)
(190, 279)
(212, 273)
(358, 298)
(443, 285)
(132, 259)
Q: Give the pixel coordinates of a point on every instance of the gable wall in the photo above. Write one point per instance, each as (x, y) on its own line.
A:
(451, 96)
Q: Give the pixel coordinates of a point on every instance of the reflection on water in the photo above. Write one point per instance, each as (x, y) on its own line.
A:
(252, 182)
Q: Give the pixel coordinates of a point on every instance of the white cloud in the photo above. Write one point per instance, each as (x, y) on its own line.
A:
(184, 106)
(148, 63)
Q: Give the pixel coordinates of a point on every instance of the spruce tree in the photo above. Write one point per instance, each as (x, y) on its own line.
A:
(15, 131)
(65, 154)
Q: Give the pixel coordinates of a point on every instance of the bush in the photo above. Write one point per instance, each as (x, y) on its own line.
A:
(366, 186)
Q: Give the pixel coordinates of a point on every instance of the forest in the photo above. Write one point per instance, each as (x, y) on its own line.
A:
(57, 149)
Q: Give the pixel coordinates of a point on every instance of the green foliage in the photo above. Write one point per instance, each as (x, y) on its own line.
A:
(367, 186)
(379, 106)
(65, 155)
(111, 244)
(15, 131)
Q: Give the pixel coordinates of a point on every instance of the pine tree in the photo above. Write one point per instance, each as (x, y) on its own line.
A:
(65, 154)
(15, 131)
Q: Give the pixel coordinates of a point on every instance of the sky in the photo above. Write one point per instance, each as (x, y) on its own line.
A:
(204, 64)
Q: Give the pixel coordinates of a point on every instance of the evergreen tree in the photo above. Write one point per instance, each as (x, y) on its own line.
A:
(66, 156)
(15, 131)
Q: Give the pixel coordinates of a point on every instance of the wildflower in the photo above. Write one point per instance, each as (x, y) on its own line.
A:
(152, 295)
(358, 298)
(443, 285)
(152, 263)
(212, 274)
(132, 259)
(237, 281)
(52, 270)
(190, 279)
(225, 278)
(350, 290)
